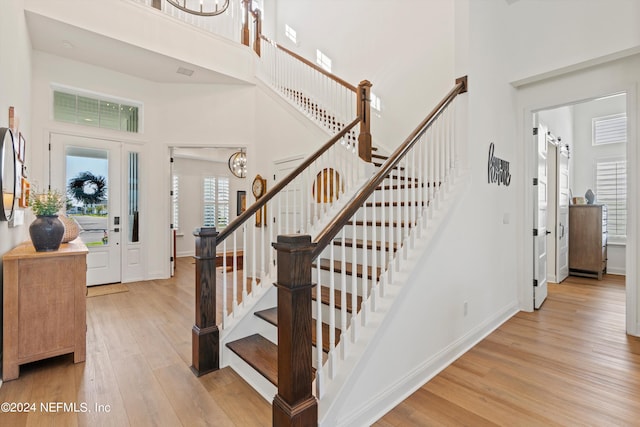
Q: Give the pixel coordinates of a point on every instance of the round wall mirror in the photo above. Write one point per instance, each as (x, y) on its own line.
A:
(7, 173)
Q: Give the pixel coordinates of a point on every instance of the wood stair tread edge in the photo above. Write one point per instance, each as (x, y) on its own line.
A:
(260, 353)
(325, 264)
(270, 315)
(359, 243)
(325, 294)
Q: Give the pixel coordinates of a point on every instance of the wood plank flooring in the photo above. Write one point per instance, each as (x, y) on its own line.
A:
(570, 363)
(137, 368)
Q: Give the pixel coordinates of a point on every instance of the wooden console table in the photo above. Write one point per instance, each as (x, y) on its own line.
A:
(44, 306)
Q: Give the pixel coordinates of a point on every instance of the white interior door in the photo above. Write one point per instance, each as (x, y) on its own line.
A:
(562, 226)
(88, 171)
(540, 218)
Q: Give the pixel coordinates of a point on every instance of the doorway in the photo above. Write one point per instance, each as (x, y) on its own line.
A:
(594, 142)
(89, 171)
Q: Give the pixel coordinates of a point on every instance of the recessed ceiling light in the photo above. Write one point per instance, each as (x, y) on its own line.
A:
(185, 71)
(67, 44)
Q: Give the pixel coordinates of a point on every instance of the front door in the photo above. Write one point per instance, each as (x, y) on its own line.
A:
(540, 218)
(88, 171)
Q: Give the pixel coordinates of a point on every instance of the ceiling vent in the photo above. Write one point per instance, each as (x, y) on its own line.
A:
(185, 71)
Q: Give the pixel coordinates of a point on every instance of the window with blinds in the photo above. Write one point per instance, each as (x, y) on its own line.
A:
(611, 190)
(609, 129)
(215, 197)
(175, 206)
(101, 113)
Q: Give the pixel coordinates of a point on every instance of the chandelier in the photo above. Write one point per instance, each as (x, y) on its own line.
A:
(200, 7)
(238, 164)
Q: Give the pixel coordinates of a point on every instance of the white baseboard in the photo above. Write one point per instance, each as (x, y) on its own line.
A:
(404, 387)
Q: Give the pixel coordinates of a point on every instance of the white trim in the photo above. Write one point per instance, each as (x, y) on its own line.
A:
(383, 402)
(553, 99)
(580, 66)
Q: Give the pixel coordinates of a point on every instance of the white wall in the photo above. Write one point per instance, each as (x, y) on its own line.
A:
(586, 153)
(191, 172)
(174, 115)
(15, 90)
(404, 49)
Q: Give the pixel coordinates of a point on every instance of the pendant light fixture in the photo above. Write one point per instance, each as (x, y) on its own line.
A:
(238, 164)
(201, 7)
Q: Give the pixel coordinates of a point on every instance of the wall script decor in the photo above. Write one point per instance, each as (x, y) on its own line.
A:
(497, 169)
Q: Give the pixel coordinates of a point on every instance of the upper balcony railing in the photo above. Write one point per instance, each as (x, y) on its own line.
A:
(228, 25)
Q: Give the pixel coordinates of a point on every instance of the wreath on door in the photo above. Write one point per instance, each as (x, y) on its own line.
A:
(88, 188)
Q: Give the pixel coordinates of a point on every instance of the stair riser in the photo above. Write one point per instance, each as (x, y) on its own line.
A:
(325, 278)
(325, 314)
(360, 253)
(389, 210)
(369, 232)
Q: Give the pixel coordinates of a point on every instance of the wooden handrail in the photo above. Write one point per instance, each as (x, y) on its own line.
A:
(339, 221)
(233, 225)
(312, 65)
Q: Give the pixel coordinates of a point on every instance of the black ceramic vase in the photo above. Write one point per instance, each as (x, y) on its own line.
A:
(46, 233)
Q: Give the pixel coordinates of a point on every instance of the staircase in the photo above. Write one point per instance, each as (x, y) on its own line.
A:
(262, 354)
(335, 236)
(355, 261)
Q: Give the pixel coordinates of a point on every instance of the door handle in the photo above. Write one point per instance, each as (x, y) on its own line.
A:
(547, 232)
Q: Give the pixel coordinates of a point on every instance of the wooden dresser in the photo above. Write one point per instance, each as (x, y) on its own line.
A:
(44, 305)
(588, 240)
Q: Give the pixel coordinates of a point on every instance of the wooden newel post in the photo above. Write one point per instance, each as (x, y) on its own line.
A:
(364, 111)
(205, 337)
(294, 405)
(256, 43)
(156, 4)
(245, 25)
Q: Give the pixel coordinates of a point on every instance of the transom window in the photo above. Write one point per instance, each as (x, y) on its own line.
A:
(90, 111)
(323, 60)
(609, 129)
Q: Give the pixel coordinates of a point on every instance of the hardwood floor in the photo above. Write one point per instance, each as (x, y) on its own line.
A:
(138, 359)
(568, 364)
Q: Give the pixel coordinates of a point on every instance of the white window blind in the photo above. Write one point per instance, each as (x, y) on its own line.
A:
(611, 190)
(609, 129)
(89, 111)
(215, 198)
(175, 206)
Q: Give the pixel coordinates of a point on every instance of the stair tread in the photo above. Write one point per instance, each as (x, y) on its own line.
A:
(378, 156)
(325, 264)
(379, 223)
(395, 168)
(260, 353)
(325, 292)
(387, 204)
(271, 315)
(359, 243)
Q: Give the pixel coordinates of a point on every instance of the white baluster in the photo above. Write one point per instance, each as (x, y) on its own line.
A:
(332, 311)
(234, 271)
(244, 270)
(253, 259)
(319, 361)
(354, 279)
(365, 303)
(225, 305)
(374, 252)
(343, 293)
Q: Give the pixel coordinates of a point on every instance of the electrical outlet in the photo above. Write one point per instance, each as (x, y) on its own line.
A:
(466, 308)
